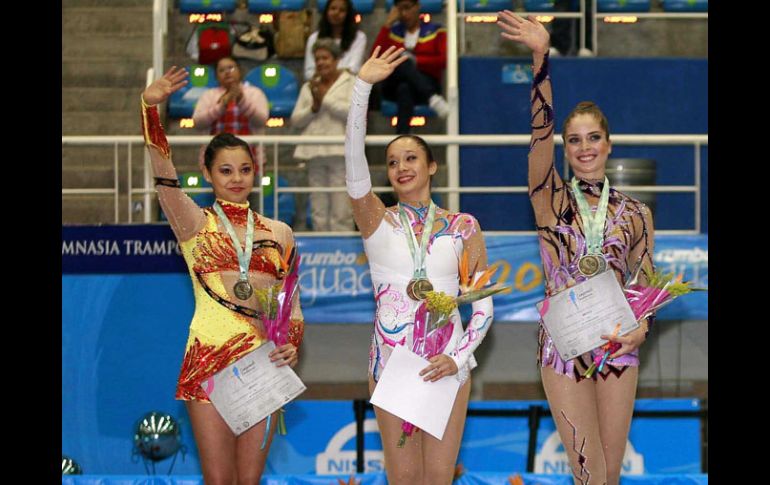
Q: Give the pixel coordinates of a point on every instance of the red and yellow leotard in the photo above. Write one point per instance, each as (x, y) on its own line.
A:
(218, 335)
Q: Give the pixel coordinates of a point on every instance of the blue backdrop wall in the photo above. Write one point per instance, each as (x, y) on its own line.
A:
(639, 96)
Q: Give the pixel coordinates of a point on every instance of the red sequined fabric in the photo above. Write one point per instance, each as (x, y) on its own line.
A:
(214, 252)
(238, 216)
(203, 361)
(153, 130)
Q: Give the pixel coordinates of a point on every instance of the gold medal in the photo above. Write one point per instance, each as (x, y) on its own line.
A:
(592, 264)
(418, 289)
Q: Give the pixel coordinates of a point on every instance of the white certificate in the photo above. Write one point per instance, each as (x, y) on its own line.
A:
(252, 388)
(402, 391)
(576, 317)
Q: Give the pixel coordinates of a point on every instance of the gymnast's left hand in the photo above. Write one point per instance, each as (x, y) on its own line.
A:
(157, 92)
(441, 365)
(286, 354)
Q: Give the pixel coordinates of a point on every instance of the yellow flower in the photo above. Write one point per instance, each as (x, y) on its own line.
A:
(439, 302)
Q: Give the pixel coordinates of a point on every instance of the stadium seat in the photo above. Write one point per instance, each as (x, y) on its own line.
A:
(686, 5)
(266, 6)
(206, 6)
(485, 5)
(280, 86)
(389, 109)
(426, 6)
(362, 6)
(538, 5)
(623, 6)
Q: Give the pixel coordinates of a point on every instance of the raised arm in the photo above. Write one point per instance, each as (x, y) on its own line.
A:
(543, 177)
(368, 209)
(184, 215)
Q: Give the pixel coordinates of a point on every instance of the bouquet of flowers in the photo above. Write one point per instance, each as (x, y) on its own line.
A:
(659, 290)
(431, 332)
(275, 302)
(645, 299)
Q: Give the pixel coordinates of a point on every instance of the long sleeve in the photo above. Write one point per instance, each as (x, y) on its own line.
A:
(543, 177)
(356, 167)
(302, 114)
(184, 215)
(255, 106)
(368, 209)
(337, 100)
(208, 108)
(435, 61)
(483, 311)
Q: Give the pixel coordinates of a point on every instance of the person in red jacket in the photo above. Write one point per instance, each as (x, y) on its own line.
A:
(418, 80)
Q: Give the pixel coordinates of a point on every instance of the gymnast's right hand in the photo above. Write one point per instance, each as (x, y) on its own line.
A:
(378, 67)
(529, 32)
(162, 88)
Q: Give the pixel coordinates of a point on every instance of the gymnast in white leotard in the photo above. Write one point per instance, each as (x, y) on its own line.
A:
(393, 264)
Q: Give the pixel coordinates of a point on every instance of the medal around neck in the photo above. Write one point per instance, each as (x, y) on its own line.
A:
(592, 264)
(242, 289)
(419, 286)
(418, 289)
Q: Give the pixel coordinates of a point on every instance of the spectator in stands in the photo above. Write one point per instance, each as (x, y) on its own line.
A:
(234, 107)
(592, 398)
(322, 109)
(565, 33)
(418, 80)
(227, 281)
(339, 23)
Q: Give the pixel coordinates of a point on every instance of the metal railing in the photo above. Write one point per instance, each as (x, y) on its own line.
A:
(147, 190)
(452, 140)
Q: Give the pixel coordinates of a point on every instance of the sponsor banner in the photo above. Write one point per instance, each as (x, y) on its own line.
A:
(335, 282)
(321, 441)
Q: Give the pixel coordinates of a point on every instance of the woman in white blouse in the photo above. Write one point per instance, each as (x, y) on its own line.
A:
(321, 109)
(339, 23)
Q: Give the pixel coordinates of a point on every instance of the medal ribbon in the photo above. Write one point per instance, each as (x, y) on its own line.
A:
(418, 256)
(593, 224)
(244, 256)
